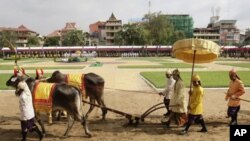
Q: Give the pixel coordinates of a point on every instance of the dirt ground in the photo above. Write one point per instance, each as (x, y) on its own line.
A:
(126, 91)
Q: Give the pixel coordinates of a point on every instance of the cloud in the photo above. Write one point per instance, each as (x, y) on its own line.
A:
(45, 16)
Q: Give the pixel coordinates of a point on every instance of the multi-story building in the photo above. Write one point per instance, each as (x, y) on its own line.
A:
(70, 26)
(182, 23)
(105, 31)
(247, 33)
(223, 32)
(229, 33)
(246, 40)
(111, 27)
(97, 32)
(207, 33)
(56, 33)
(22, 34)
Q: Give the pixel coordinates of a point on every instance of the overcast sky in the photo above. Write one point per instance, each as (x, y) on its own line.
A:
(45, 16)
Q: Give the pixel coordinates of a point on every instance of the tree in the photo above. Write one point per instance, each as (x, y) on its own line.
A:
(8, 38)
(73, 38)
(131, 34)
(247, 41)
(52, 41)
(33, 41)
(178, 35)
(119, 38)
(160, 29)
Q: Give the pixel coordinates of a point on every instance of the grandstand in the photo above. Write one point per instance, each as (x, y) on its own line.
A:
(113, 51)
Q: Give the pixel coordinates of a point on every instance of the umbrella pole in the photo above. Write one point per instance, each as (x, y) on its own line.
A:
(192, 73)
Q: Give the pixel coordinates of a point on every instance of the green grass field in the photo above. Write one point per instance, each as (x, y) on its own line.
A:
(27, 60)
(232, 59)
(209, 79)
(163, 65)
(243, 65)
(10, 67)
(151, 59)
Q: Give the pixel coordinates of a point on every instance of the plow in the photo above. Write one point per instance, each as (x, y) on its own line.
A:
(133, 120)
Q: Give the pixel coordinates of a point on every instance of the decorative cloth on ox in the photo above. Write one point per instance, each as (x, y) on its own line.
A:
(42, 96)
(76, 80)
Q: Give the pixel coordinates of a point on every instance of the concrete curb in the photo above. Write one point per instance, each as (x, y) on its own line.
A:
(149, 83)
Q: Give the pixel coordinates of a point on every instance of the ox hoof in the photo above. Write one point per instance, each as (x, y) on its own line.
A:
(64, 136)
(89, 135)
(50, 123)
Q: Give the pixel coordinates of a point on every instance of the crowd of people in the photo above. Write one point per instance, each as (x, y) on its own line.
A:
(185, 114)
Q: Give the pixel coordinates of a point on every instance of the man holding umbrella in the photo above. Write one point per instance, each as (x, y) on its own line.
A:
(195, 105)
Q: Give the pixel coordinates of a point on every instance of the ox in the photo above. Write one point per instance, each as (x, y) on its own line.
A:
(93, 88)
(63, 97)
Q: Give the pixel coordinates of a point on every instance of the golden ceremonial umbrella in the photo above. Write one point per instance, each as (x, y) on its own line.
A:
(195, 51)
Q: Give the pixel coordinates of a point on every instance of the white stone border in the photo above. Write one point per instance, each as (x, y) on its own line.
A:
(149, 83)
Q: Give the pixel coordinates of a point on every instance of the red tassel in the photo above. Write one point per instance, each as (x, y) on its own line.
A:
(23, 71)
(15, 72)
(36, 72)
(42, 71)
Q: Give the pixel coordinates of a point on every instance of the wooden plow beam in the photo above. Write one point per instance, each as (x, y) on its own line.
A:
(133, 120)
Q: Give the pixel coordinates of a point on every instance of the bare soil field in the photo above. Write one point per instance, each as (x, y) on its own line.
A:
(127, 92)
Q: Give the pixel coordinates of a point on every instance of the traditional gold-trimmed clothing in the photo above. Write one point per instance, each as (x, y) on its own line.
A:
(178, 101)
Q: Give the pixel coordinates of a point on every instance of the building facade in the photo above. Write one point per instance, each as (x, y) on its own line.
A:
(22, 34)
(182, 23)
(111, 27)
(69, 26)
(229, 33)
(97, 33)
(207, 33)
(103, 33)
(247, 33)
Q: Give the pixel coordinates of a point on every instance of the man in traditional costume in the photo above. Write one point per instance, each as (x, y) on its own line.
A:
(236, 89)
(195, 105)
(178, 101)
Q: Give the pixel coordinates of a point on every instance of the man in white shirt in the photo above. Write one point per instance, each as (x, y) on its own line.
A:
(27, 113)
(168, 91)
